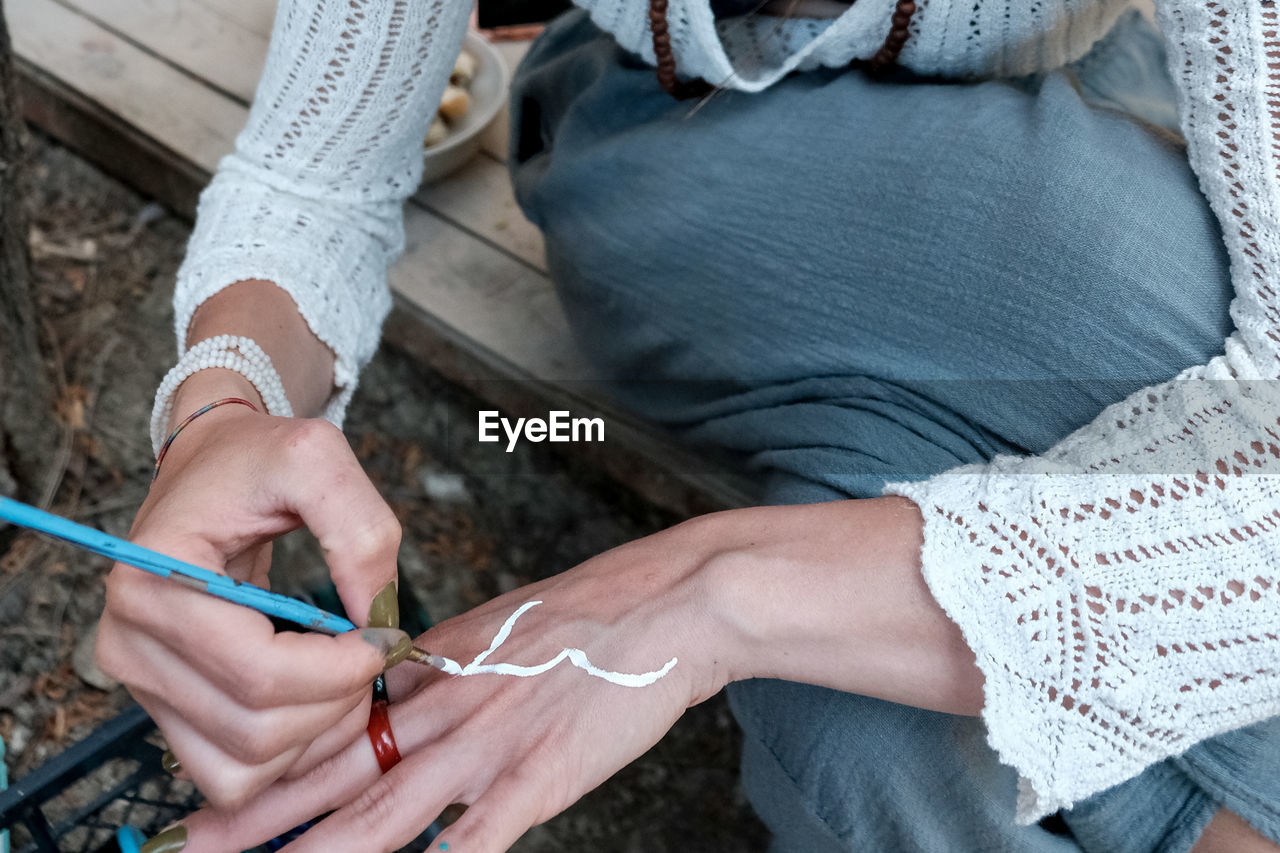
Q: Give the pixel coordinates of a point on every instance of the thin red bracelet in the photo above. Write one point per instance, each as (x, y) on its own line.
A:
(384, 742)
(188, 419)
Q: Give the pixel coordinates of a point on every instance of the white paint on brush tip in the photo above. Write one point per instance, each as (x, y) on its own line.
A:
(577, 657)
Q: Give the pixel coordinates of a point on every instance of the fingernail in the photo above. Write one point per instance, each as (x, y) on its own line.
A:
(400, 652)
(392, 643)
(170, 762)
(171, 840)
(384, 612)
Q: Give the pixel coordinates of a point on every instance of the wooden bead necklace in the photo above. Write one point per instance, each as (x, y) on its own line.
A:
(671, 84)
(887, 55)
(681, 90)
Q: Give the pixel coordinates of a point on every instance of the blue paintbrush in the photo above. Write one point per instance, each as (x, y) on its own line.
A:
(204, 580)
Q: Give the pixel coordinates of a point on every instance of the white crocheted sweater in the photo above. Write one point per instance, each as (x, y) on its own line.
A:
(1122, 591)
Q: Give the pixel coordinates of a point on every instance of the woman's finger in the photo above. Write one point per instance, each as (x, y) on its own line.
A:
(330, 492)
(225, 781)
(284, 805)
(236, 648)
(251, 736)
(331, 784)
(350, 729)
(253, 566)
(501, 814)
(391, 810)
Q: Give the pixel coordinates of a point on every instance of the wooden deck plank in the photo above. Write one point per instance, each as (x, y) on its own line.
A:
(194, 35)
(256, 16)
(503, 306)
(113, 144)
(479, 198)
(144, 91)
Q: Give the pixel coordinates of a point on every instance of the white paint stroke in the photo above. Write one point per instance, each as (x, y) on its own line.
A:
(577, 657)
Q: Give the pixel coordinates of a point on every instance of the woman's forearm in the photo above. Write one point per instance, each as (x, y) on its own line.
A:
(264, 312)
(832, 594)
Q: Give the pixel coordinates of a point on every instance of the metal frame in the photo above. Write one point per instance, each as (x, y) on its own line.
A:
(123, 737)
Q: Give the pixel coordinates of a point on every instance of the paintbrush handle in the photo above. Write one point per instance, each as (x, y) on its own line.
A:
(220, 586)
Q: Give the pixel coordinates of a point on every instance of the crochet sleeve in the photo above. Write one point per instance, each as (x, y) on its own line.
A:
(1121, 591)
(311, 197)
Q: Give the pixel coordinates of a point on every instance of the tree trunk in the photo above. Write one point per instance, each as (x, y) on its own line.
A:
(26, 430)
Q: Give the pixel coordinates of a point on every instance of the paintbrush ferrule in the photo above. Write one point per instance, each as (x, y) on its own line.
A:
(426, 658)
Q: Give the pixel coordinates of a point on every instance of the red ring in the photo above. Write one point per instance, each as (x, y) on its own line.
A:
(384, 742)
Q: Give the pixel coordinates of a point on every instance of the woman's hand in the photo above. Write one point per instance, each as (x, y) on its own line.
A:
(240, 705)
(828, 593)
(516, 750)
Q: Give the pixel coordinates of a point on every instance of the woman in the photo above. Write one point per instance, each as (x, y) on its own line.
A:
(859, 279)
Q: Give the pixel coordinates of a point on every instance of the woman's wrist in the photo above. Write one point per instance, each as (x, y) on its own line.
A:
(202, 388)
(197, 392)
(832, 594)
(267, 314)
(281, 359)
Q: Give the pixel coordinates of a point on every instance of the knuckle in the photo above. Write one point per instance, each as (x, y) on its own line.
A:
(526, 775)
(698, 526)
(256, 689)
(308, 763)
(107, 655)
(325, 760)
(540, 783)
(227, 789)
(314, 438)
(125, 596)
(535, 782)
(376, 807)
(331, 773)
(259, 744)
(226, 797)
(378, 536)
(479, 831)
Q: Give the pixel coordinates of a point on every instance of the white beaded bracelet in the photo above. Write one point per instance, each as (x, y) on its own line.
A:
(230, 352)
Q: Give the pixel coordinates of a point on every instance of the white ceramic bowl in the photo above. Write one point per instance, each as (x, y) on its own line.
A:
(488, 95)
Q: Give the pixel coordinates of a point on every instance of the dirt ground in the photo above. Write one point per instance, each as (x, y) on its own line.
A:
(104, 263)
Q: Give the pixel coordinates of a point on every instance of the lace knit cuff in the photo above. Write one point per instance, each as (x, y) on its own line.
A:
(1102, 651)
(336, 273)
(1013, 624)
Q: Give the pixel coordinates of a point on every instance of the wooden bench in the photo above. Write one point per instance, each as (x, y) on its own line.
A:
(155, 91)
